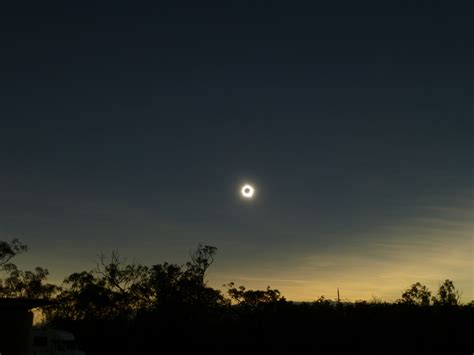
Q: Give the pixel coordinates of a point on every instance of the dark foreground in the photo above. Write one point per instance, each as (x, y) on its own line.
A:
(283, 328)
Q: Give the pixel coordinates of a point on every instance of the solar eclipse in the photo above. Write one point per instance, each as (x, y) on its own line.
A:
(247, 191)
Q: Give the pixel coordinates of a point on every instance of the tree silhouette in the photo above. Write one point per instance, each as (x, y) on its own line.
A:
(417, 294)
(128, 281)
(10, 250)
(117, 289)
(172, 284)
(447, 295)
(253, 298)
(113, 289)
(18, 283)
(26, 284)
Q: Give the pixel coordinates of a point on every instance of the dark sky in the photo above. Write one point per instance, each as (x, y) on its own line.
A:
(131, 126)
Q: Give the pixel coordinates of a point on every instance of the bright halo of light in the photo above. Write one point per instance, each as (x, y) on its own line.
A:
(247, 191)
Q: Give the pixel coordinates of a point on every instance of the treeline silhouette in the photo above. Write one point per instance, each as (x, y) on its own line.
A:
(129, 308)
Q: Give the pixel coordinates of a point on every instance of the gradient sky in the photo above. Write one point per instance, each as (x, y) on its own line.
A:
(130, 126)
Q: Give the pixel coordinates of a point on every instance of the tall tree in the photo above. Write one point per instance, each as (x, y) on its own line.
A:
(447, 295)
(26, 284)
(113, 289)
(18, 283)
(174, 284)
(417, 294)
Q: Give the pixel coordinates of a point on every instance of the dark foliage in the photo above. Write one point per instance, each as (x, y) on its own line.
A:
(18, 283)
(9, 250)
(128, 308)
(417, 294)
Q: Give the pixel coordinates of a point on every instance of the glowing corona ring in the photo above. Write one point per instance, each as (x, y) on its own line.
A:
(247, 191)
